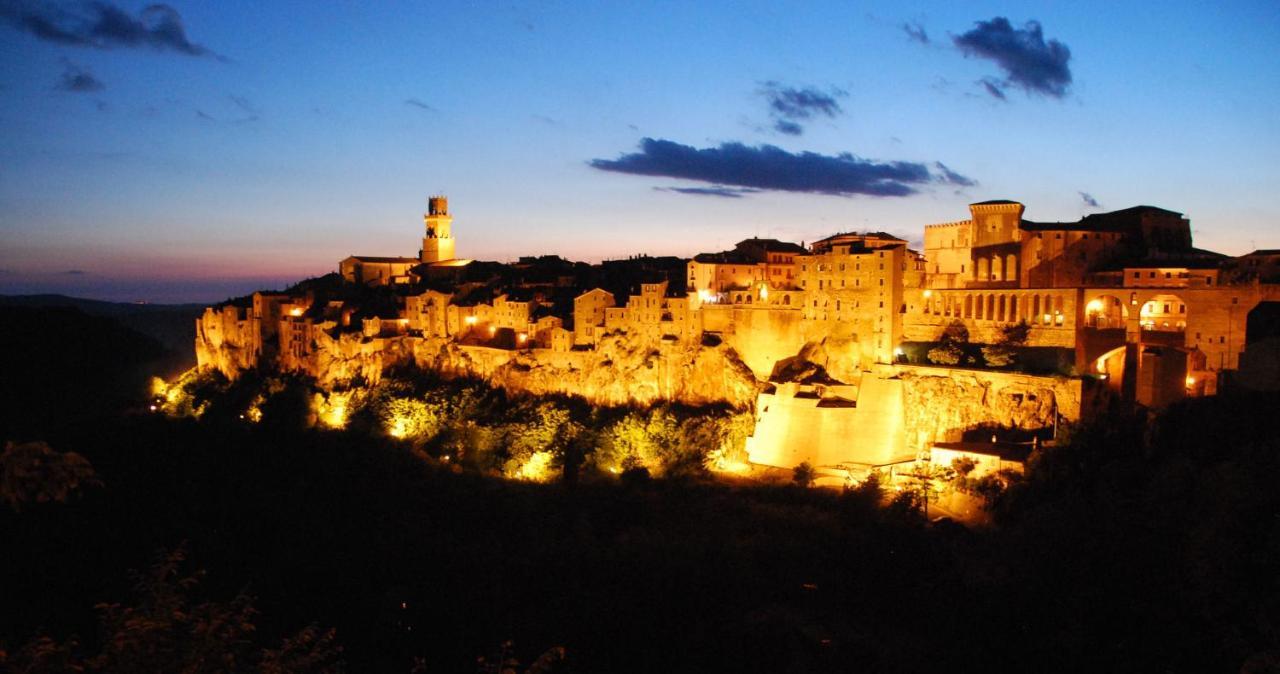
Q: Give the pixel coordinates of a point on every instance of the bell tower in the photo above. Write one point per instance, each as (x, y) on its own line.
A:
(437, 245)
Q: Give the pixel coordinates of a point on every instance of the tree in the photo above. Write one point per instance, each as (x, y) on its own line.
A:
(165, 632)
(804, 474)
(32, 472)
(1005, 350)
(950, 348)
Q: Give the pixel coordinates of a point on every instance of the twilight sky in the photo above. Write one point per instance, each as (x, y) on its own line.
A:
(193, 151)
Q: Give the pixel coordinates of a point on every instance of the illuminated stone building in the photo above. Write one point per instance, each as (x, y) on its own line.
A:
(837, 336)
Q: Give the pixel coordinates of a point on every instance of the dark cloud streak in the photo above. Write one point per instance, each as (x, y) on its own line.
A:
(771, 168)
(713, 191)
(915, 32)
(77, 79)
(1089, 200)
(417, 103)
(101, 25)
(1022, 53)
(789, 106)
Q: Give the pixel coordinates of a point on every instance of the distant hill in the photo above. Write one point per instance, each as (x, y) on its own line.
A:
(62, 368)
(172, 325)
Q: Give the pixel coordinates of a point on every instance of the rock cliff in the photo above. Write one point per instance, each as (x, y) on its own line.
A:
(623, 369)
(939, 404)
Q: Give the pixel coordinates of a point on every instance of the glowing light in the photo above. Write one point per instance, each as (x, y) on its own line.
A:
(158, 387)
(764, 292)
(1094, 306)
(493, 329)
(470, 320)
(897, 351)
(1102, 365)
(537, 468)
(1191, 381)
(522, 337)
(333, 411)
(153, 408)
(296, 311)
(928, 294)
(399, 427)
(706, 296)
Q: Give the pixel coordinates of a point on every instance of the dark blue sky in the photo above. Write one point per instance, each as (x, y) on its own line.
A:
(205, 149)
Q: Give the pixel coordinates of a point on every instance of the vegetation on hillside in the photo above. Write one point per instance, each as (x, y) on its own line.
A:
(1138, 545)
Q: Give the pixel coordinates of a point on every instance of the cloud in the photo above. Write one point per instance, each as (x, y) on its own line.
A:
(771, 168)
(1089, 200)
(414, 102)
(245, 106)
(1022, 53)
(993, 87)
(788, 127)
(78, 79)
(946, 175)
(713, 191)
(101, 25)
(915, 32)
(789, 106)
(75, 272)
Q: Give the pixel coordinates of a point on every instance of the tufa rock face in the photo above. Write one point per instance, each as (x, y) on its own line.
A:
(623, 369)
(940, 404)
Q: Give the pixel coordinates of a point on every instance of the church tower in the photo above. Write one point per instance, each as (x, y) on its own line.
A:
(437, 245)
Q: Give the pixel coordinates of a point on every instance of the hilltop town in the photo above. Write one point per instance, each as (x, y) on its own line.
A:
(853, 352)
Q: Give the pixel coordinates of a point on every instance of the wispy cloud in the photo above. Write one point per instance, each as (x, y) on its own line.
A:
(950, 177)
(1028, 61)
(771, 168)
(1089, 200)
(915, 32)
(417, 103)
(74, 272)
(102, 25)
(245, 105)
(791, 106)
(993, 88)
(713, 191)
(78, 79)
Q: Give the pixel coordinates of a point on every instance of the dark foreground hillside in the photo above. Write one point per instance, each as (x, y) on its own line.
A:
(1129, 550)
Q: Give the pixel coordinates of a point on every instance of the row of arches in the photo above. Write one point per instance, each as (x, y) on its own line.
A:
(996, 268)
(1161, 313)
(1035, 309)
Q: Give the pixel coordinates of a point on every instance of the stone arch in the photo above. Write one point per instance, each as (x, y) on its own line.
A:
(997, 268)
(984, 269)
(1105, 312)
(1165, 312)
(1011, 267)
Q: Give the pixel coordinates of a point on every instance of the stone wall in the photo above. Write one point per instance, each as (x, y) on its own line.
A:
(622, 369)
(940, 404)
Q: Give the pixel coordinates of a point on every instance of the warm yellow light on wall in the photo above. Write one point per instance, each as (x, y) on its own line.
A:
(522, 337)
(764, 292)
(493, 330)
(928, 294)
(469, 320)
(1191, 381)
(1094, 306)
(296, 311)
